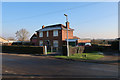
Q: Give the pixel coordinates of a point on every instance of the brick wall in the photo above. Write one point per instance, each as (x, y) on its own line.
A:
(64, 34)
(51, 37)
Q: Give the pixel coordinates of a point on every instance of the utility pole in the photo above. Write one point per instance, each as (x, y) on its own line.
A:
(67, 34)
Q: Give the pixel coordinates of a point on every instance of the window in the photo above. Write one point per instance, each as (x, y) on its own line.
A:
(41, 43)
(34, 37)
(55, 43)
(41, 34)
(47, 33)
(55, 33)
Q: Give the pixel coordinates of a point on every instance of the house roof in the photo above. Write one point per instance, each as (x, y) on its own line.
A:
(75, 37)
(34, 35)
(54, 27)
(84, 41)
(3, 40)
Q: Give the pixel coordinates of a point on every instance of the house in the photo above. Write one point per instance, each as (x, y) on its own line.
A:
(34, 39)
(2, 41)
(5, 41)
(54, 36)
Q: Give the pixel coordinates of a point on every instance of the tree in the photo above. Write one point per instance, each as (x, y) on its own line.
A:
(22, 35)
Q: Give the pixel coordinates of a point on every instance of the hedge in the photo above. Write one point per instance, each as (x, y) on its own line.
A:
(23, 49)
(86, 49)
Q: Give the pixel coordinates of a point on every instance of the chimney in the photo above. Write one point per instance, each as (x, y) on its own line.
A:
(67, 24)
(43, 26)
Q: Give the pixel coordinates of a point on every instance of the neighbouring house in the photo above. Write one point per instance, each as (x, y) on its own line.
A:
(5, 41)
(34, 39)
(54, 36)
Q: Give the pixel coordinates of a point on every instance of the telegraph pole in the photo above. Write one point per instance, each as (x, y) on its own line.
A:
(67, 34)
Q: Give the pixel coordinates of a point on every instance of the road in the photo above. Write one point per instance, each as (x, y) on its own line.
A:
(45, 67)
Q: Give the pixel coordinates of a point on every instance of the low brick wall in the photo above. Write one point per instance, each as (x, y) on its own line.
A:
(23, 49)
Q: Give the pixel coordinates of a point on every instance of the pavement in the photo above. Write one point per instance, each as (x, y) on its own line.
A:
(29, 66)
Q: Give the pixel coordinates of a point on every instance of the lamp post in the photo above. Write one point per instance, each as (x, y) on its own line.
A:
(67, 34)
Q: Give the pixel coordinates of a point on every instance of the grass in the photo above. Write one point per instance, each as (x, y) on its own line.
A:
(48, 52)
(89, 56)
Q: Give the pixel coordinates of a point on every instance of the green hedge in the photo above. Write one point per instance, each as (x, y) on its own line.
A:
(23, 49)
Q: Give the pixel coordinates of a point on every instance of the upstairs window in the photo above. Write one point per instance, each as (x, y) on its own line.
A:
(47, 33)
(41, 34)
(55, 33)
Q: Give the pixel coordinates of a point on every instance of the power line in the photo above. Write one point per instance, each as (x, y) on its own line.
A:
(54, 12)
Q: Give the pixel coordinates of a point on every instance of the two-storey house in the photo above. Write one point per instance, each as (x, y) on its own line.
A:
(53, 35)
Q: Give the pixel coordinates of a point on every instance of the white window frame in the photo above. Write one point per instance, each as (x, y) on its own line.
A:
(55, 43)
(41, 34)
(47, 33)
(55, 32)
(41, 42)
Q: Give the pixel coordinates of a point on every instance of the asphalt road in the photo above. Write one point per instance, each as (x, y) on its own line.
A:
(45, 67)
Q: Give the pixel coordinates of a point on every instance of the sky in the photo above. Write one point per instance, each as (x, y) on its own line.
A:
(98, 20)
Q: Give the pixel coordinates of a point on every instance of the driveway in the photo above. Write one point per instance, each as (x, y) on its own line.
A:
(45, 67)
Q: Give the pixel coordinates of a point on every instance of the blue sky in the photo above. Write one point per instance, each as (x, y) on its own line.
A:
(89, 19)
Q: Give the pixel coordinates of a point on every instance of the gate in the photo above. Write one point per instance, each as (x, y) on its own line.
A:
(53, 50)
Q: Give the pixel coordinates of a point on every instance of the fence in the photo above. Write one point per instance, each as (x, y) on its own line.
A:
(54, 49)
(72, 50)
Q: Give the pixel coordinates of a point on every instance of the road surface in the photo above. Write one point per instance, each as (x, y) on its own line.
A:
(45, 67)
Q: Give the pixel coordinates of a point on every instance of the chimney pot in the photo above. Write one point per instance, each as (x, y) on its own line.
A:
(43, 26)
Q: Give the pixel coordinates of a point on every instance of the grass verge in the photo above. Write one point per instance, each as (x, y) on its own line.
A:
(89, 56)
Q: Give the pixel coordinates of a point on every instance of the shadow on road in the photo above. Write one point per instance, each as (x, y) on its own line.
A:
(52, 76)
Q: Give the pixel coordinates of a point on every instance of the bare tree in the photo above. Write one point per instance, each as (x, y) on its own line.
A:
(22, 35)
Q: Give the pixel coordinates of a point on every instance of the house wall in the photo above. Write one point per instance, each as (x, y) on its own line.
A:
(64, 34)
(51, 38)
(3, 40)
(34, 41)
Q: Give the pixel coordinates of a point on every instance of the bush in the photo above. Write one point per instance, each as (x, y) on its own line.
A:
(115, 45)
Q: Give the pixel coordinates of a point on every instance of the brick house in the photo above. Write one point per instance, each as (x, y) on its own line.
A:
(34, 39)
(54, 35)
